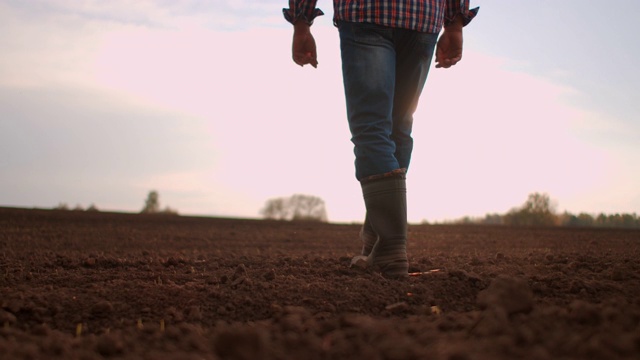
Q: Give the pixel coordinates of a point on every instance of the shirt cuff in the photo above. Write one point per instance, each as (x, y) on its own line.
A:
(464, 11)
(293, 15)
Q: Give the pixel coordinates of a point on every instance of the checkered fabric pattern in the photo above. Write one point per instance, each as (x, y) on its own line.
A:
(419, 15)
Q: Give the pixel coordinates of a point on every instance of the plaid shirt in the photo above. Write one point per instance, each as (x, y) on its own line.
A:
(420, 15)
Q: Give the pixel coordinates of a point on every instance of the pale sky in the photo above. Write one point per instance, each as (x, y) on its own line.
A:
(103, 101)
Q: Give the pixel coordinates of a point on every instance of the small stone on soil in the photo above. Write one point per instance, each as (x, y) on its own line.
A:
(397, 306)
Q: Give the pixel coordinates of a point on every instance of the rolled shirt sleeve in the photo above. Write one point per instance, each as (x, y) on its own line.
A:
(302, 9)
(459, 7)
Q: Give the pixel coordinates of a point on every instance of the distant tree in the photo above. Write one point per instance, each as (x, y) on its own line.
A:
(601, 220)
(536, 211)
(585, 219)
(78, 208)
(629, 220)
(307, 207)
(275, 209)
(152, 204)
(92, 208)
(296, 207)
(568, 219)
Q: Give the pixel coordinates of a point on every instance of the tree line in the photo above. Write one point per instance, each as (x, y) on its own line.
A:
(151, 206)
(539, 210)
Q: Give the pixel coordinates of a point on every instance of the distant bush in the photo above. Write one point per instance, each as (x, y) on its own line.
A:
(78, 207)
(169, 211)
(297, 207)
(62, 206)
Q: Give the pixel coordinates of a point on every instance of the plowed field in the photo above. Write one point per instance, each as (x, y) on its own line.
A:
(82, 285)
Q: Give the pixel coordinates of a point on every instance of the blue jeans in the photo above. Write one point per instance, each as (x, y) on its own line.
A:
(384, 70)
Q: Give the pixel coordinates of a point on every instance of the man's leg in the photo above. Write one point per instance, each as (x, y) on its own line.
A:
(414, 53)
(368, 67)
(369, 63)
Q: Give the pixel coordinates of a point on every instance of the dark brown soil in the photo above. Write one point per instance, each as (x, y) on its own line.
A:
(78, 285)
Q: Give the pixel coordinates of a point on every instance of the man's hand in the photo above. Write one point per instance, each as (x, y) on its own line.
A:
(449, 49)
(304, 46)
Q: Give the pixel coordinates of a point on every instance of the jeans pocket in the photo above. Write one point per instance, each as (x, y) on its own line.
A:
(372, 34)
(425, 44)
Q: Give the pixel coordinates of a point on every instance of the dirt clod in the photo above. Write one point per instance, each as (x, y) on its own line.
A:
(240, 271)
(508, 294)
(269, 275)
(102, 308)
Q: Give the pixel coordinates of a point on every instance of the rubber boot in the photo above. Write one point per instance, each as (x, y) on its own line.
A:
(368, 237)
(386, 203)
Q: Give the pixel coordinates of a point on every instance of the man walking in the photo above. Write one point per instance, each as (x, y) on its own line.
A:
(386, 47)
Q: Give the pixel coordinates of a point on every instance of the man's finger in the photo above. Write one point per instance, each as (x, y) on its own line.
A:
(304, 59)
(301, 58)
(454, 61)
(446, 63)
